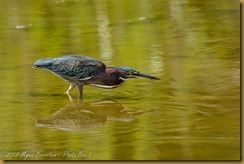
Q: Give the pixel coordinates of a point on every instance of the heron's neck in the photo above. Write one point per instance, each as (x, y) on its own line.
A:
(114, 73)
(111, 78)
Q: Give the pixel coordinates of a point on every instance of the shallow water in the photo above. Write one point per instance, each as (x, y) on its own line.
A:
(192, 113)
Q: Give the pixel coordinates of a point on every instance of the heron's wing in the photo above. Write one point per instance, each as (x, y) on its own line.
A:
(77, 67)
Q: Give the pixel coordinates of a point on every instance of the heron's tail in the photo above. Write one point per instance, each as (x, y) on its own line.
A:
(42, 63)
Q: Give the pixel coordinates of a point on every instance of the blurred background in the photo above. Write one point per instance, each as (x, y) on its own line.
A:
(192, 113)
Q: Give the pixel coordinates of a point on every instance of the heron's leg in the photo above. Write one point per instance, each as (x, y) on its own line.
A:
(72, 86)
(80, 89)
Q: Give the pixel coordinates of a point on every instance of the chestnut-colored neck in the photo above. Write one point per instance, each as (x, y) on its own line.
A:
(110, 71)
(111, 77)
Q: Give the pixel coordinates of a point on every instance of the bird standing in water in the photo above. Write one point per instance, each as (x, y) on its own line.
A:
(83, 70)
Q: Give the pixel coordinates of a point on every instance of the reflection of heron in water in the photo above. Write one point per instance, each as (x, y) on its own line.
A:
(80, 116)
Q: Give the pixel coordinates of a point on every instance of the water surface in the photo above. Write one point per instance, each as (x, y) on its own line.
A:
(192, 113)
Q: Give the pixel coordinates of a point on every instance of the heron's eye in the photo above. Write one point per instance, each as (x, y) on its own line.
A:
(133, 72)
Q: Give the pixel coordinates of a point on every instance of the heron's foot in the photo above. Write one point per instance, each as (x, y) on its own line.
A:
(71, 87)
(80, 96)
(71, 97)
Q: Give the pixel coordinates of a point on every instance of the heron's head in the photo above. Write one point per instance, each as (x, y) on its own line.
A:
(133, 73)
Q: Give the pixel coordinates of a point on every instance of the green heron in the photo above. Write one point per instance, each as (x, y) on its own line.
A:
(83, 70)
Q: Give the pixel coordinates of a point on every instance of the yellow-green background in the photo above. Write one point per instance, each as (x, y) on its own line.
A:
(193, 46)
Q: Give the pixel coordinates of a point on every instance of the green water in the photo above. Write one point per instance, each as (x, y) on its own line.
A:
(192, 113)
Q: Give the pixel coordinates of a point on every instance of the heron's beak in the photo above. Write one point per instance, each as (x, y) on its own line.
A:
(147, 76)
